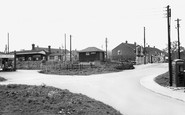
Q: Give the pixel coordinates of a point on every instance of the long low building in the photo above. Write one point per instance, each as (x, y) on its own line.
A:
(39, 53)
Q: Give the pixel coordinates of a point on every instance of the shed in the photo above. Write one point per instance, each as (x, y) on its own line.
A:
(91, 54)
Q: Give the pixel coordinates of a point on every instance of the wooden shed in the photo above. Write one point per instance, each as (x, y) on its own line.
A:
(91, 54)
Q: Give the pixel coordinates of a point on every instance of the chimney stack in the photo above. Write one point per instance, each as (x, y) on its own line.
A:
(126, 41)
(135, 43)
(49, 49)
(148, 45)
(33, 46)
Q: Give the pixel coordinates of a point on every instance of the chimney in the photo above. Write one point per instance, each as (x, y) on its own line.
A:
(148, 45)
(33, 46)
(135, 43)
(49, 49)
(126, 41)
(154, 46)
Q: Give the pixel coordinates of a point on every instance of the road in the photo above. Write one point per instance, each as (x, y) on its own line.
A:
(121, 90)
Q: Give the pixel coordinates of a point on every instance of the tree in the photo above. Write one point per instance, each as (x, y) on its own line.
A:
(174, 49)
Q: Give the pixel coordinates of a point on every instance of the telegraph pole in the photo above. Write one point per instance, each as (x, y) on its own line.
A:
(169, 43)
(144, 48)
(8, 43)
(70, 49)
(178, 25)
(65, 46)
(106, 48)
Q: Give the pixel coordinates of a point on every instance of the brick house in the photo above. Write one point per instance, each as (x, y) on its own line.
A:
(132, 52)
(124, 52)
(91, 54)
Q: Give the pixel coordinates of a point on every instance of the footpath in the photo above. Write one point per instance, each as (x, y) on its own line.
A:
(176, 93)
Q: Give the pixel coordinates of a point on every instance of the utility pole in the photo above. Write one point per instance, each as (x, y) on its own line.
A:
(70, 49)
(65, 46)
(144, 52)
(106, 48)
(169, 43)
(178, 25)
(8, 43)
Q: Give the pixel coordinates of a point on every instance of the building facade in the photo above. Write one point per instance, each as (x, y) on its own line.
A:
(91, 54)
(124, 52)
(132, 52)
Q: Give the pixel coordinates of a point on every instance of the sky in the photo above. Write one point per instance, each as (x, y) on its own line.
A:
(44, 22)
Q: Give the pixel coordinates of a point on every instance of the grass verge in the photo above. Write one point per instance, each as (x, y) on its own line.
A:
(104, 68)
(43, 100)
(163, 79)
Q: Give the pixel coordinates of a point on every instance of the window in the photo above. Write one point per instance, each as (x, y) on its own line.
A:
(119, 52)
(51, 58)
(93, 52)
(87, 53)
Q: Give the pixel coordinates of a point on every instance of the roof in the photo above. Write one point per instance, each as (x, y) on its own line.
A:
(132, 46)
(153, 49)
(53, 50)
(91, 49)
(31, 52)
(2, 53)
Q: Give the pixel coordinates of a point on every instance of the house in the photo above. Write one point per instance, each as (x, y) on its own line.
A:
(154, 55)
(91, 54)
(132, 52)
(31, 55)
(124, 52)
(39, 53)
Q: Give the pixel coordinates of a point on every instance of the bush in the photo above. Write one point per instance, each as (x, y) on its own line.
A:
(2, 79)
(124, 66)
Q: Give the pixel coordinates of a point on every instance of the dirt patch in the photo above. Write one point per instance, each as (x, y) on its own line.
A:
(43, 100)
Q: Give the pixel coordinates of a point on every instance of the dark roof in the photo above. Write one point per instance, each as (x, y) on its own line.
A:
(133, 46)
(53, 50)
(153, 49)
(91, 49)
(2, 53)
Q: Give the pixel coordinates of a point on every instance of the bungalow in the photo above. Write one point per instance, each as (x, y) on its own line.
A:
(91, 54)
(38, 53)
(30, 55)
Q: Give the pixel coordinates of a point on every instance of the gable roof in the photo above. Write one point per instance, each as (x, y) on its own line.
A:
(153, 49)
(91, 49)
(132, 46)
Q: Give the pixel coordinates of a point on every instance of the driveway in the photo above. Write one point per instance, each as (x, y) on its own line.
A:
(121, 90)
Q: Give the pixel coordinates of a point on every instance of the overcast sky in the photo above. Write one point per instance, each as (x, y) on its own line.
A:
(44, 22)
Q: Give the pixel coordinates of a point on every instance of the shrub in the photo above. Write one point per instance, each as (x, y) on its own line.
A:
(2, 79)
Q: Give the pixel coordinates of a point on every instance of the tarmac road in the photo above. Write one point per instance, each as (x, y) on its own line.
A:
(121, 90)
